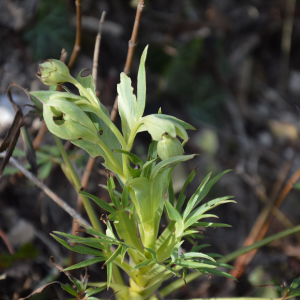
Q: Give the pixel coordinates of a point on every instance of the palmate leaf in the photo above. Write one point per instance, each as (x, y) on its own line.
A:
(78, 248)
(86, 263)
(174, 215)
(197, 248)
(171, 192)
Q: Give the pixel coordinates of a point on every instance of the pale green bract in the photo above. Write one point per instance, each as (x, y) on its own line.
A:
(146, 188)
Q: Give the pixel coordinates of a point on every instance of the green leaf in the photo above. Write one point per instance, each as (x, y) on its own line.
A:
(125, 197)
(295, 293)
(141, 85)
(78, 248)
(182, 197)
(114, 255)
(69, 289)
(193, 200)
(127, 105)
(209, 224)
(95, 241)
(197, 213)
(148, 166)
(192, 264)
(45, 170)
(197, 248)
(136, 160)
(195, 254)
(116, 193)
(157, 127)
(111, 187)
(216, 272)
(142, 264)
(169, 161)
(153, 253)
(100, 202)
(95, 291)
(123, 252)
(295, 284)
(174, 215)
(217, 264)
(109, 274)
(209, 185)
(86, 263)
(171, 192)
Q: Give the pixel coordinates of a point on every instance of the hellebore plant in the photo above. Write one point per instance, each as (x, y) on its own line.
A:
(135, 213)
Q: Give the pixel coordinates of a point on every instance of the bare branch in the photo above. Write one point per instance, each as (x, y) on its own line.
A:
(68, 209)
(76, 48)
(97, 49)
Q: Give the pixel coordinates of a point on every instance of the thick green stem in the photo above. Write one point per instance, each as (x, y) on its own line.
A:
(87, 205)
(190, 277)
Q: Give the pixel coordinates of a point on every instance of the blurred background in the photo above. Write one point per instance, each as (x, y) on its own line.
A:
(231, 68)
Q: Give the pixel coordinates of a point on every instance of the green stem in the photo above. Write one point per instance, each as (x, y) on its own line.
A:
(87, 205)
(100, 113)
(132, 135)
(190, 277)
(110, 156)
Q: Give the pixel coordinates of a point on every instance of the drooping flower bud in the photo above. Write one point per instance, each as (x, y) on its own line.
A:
(53, 72)
(67, 121)
(168, 147)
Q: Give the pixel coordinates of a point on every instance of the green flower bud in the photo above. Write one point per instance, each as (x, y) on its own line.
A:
(67, 121)
(168, 147)
(53, 72)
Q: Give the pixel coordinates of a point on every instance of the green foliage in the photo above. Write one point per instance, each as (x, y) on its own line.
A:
(135, 213)
(51, 31)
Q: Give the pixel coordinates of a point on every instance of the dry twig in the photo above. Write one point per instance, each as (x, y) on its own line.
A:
(69, 210)
(76, 48)
(262, 225)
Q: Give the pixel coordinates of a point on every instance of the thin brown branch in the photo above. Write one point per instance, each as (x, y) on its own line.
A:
(97, 49)
(131, 47)
(76, 48)
(68, 209)
(262, 225)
